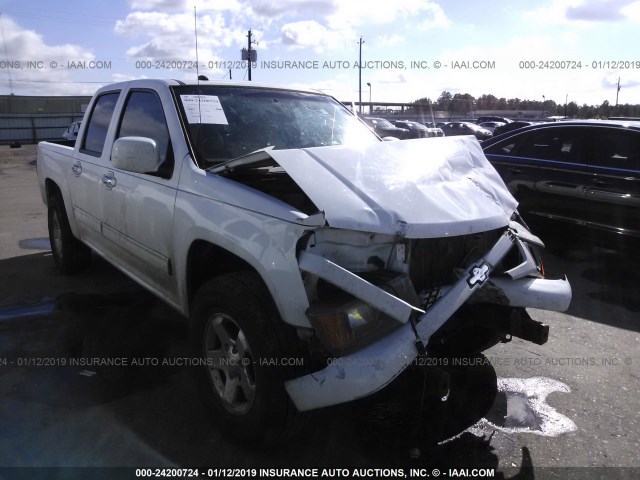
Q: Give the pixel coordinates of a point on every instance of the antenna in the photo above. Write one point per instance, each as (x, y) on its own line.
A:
(4, 43)
(195, 29)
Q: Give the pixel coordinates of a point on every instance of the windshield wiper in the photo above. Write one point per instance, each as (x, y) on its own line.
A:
(249, 158)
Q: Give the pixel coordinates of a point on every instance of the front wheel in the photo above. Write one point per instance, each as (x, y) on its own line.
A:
(247, 354)
(69, 253)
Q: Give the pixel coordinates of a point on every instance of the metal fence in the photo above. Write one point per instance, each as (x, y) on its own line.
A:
(34, 127)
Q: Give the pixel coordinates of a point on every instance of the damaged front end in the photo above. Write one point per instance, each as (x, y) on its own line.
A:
(378, 301)
(404, 248)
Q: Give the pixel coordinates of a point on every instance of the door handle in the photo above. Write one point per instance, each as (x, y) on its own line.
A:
(109, 181)
(515, 170)
(76, 168)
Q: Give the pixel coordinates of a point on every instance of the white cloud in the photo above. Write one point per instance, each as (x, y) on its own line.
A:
(157, 4)
(333, 26)
(584, 13)
(426, 13)
(632, 12)
(293, 8)
(20, 43)
(433, 16)
(171, 36)
(389, 40)
(47, 69)
(309, 33)
(598, 11)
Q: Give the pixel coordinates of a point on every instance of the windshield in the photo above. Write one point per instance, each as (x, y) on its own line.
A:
(224, 123)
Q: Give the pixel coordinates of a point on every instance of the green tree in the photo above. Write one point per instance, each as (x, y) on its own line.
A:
(444, 101)
(463, 103)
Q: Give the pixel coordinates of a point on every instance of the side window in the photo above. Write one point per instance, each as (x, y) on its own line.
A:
(504, 147)
(617, 149)
(96, 133)
(143, 117)
(559, 144)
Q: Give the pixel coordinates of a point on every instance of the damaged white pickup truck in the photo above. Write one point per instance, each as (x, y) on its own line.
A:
(314, 260)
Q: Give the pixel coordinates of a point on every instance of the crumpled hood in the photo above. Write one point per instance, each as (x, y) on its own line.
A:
(432, 187)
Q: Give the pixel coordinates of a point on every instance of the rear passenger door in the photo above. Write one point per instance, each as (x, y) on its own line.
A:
(138, 209)
(88, 169)
(613, 187)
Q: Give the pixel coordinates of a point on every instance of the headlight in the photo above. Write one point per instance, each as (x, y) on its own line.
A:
(346, 328)
(345, 324)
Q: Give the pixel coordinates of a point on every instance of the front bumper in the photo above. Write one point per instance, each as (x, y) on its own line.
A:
(375, 366)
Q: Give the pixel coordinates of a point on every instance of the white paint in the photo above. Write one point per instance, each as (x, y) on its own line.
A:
(433, 187)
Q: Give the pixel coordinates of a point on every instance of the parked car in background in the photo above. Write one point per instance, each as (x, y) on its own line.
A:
(492, 118)
(71, 133)
(417, 130)
(508, 127)
(581, 174)
(491, 126)
(384, 128)
(466, 128)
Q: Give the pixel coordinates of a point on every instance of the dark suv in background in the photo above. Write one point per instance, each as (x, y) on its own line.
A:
(581, 174)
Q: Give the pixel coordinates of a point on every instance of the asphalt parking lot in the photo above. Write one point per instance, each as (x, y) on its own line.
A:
(567, 409)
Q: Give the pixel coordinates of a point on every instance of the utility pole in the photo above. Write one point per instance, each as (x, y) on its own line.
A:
(618, 91)
(360, 75)
(249, 54)
(249, 50)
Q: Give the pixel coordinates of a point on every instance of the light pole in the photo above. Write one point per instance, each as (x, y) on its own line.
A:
(370, 105)
(543, 100)
(360, 76)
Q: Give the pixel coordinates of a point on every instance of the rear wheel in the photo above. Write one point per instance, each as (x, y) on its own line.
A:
(69, 253)
(249, 353)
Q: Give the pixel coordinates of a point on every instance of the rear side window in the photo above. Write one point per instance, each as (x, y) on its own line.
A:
(617, 149)
(502, 148)
(96, 133)
(143, 117)
(558, 144)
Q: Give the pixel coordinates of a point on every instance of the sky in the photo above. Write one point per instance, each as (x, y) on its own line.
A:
(561, 50)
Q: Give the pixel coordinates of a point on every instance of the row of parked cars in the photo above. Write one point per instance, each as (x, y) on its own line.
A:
(484, 127)
(401, 129)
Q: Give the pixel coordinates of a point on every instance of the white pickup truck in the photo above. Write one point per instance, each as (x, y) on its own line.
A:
(314, 260)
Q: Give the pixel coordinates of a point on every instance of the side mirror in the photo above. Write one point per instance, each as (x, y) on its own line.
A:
(135, 154)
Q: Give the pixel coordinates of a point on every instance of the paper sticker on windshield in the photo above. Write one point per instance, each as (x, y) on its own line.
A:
(203, 109)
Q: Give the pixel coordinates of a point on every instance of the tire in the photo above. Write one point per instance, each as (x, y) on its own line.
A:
(236, 328)
(70, 254)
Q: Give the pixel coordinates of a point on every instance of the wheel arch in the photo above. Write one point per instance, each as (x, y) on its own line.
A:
(51, 188)
(206, 260)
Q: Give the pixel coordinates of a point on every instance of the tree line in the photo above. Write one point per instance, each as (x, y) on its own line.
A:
(466, 103)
